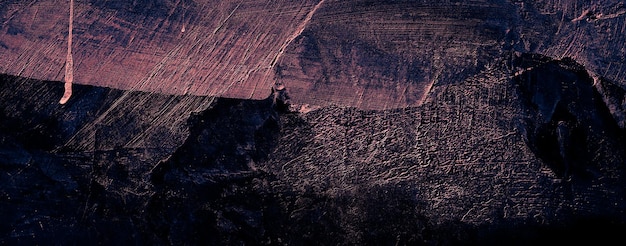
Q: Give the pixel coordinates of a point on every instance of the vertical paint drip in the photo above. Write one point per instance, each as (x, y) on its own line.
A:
(69, 63)
(182, 30)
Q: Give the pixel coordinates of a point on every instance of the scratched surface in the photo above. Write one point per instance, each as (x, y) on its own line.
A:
(367, 54)
(227, 48)
(487, 161)
(487, 122)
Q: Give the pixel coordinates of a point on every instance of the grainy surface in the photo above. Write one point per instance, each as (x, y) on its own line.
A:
(389, 123)
(485, 161)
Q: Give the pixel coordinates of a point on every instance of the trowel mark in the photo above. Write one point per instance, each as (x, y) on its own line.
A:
(297, 33)
(69, 63)
(299, 30)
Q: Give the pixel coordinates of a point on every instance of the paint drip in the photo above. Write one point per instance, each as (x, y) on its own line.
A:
(69, 63)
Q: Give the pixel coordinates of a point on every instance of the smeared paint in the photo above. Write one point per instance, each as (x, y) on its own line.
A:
(69, 63)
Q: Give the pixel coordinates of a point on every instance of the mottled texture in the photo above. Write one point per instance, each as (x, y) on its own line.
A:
(374, 123)
(495, 159)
